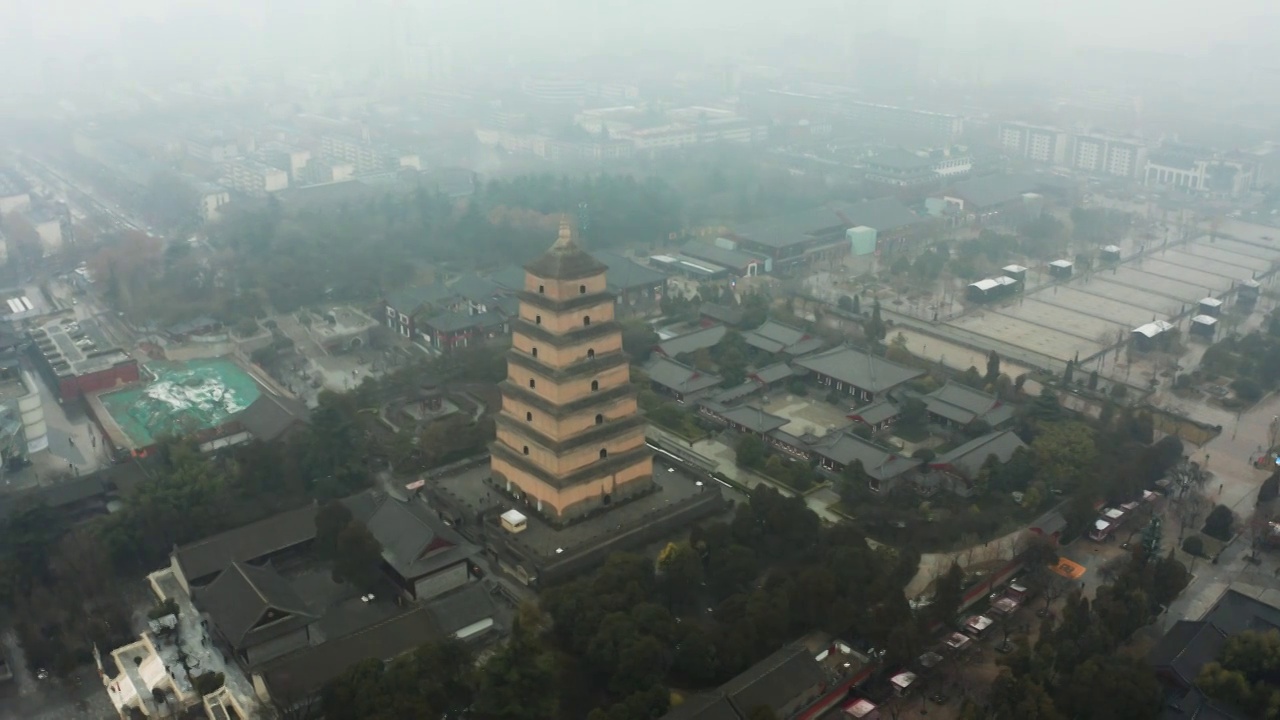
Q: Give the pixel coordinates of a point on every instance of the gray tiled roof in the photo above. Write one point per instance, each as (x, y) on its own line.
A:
(882, 214)
(843, 449)
(462, 608)
(962, 404)
(627, 274)
(877, 412)
(991, 190)
(680, 377)
(776, 680)
(774, 337)
(773, 373)
(240, 600)
(722, 313)
(268, 417)
(733, 259)
(753, 418)
(415, 542)
(862, 370)
(415, 298)
(246, 543)
(690, 342)
(969, 458)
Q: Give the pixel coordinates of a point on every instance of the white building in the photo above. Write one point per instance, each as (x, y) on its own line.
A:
(212, 198)
(254, 178)
(1034, 142)
(1105, 155)
(1195, 171)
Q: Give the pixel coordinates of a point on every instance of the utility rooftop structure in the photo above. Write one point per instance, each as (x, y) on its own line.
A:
(569, 438)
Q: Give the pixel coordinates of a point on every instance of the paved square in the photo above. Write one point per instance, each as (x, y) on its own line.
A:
(1025, 334)
(1098, 300)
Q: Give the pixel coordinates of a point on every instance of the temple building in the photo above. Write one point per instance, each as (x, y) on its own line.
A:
(569, 438)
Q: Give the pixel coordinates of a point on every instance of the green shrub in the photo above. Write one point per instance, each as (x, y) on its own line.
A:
(1193, 545)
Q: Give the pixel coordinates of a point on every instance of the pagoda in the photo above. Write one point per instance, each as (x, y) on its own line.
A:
(569, 441)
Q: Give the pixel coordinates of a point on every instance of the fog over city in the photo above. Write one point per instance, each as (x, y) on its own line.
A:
(565, 360)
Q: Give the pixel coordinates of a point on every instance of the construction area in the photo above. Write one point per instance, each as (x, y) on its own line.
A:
(175, 399)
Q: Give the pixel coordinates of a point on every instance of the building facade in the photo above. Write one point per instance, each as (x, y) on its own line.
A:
(569, 438)
(1105, 155)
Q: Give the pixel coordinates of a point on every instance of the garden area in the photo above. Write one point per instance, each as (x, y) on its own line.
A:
(1248, 365)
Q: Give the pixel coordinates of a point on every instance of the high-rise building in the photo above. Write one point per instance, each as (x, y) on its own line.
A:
(569, 438)
(1106, 155)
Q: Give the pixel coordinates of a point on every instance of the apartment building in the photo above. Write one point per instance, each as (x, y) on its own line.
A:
(1106, 155)
(1034, 142)
(254, 178)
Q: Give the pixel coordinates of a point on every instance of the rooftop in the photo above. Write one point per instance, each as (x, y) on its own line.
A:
(969, 458)
(774, 337)
(776, 680)
(691, 342)
(878, 462)
(962, 404)
(626, 274)
(679, 377)
(862, 370)
(251, 605)
(77, 348)
(415, 540)
(753, 418)
(247, 543)
(413, 299)
(876, 412)
(899, 159)
(734, 259)
(991, 190)
(721, 313)
(181, 399)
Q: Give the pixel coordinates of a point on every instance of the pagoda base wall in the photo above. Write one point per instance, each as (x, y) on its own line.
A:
(565, 504)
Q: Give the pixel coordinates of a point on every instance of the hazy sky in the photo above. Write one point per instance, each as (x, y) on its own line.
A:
(1174, 25)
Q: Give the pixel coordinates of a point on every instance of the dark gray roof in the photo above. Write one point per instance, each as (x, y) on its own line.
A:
(773, 373)
(969, 458)
(453, 321)
(774, 337)
(565, 260)
(627, 274)
(876, 412)
(416, 298)
(475, 288)
(882, 214)
(680, 377)
(301, 674)
(736, 393)
(899, 159)
(963, 404)
(776, 680)
(703, 707)
(723, 313)
(991, 190)
(457, 610)
(247, 543)
(733, 259)
(415, 541)
(251, 605)
(785, 230)
(843, 448)
(1237, 611)
(690, 342)
(270, 416)
(1187, 647)
(862, 370)
(753, 418)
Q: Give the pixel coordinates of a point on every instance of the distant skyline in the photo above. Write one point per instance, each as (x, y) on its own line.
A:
(1160, 25)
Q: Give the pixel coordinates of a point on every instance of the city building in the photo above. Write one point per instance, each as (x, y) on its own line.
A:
(405, 309)
(254, 178)
(786, 682)
(1106, 155)
(703, 338)
(820, 233)
(75, 360)
(963, 463)
(902, 123)
(211, 148)
(776, 338)
(212, 199)
(450, 330)
(569, 438)
(22, 425)
(997, 199)
(1196, 170)
(1034, 142)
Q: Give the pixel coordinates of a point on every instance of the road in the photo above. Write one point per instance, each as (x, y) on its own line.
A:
(80, 697)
